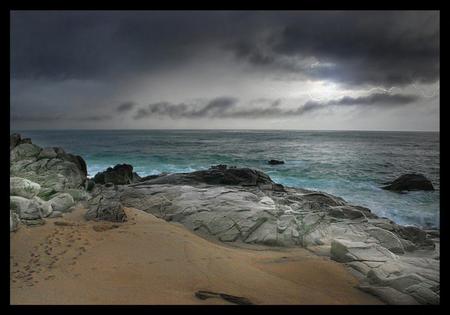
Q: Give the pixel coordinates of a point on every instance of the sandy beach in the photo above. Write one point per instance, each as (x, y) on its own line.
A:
(150, 261)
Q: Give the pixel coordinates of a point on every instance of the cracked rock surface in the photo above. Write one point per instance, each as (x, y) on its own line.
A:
(398, 264)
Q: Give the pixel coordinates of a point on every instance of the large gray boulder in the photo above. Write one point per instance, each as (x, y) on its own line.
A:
(410, 182)
(28, 209)
(23, 187)
(61, 202)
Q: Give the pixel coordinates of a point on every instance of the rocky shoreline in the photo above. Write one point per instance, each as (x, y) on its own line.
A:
(398, 264)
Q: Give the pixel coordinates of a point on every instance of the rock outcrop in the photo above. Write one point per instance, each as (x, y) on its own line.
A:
(52, 168)
(410, 182)
(43, 181)
(216, 175)
(121, 174)
(259, 214)
(105, 206)
(275, 162)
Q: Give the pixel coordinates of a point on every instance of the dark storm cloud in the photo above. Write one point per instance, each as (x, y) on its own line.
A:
(125, 107)
(381, 48)
(226, 107)
(214, 108)
(107, 44)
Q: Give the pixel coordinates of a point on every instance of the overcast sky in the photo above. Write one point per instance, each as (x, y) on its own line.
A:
(330, 70)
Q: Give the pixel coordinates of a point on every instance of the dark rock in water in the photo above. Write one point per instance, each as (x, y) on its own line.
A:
(410, 182)
(219, 167)
(121, 174)
(275, 162)
(220, 176)
(203, 295)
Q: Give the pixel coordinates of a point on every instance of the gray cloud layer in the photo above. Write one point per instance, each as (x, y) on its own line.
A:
(125, 107)
(226, 107)
(383, 48)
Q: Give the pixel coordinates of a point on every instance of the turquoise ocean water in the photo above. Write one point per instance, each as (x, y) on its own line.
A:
(349, 164)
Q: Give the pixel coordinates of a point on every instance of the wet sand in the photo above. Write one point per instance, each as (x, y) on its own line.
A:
(150, 261)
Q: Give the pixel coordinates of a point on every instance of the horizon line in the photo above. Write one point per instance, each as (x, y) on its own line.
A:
(219, 129)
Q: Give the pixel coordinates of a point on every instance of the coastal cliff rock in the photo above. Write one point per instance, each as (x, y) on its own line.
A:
(52, 169)
(275, 162)
(410, 182)
(259, 214)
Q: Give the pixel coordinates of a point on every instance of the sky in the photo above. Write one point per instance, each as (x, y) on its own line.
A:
(304, 70)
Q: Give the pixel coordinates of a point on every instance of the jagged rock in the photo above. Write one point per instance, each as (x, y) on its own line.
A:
(62, 202)
(47, 153)
(275, 162)
(105, 206)
(13, 221)
(23, 187)
(121, 174)
(24, 151)
(410, 182)
(52, 168)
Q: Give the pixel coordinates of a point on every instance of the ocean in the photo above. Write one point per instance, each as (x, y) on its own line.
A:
(349, 164)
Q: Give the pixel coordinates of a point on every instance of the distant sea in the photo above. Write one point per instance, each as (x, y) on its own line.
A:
(349, 164)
